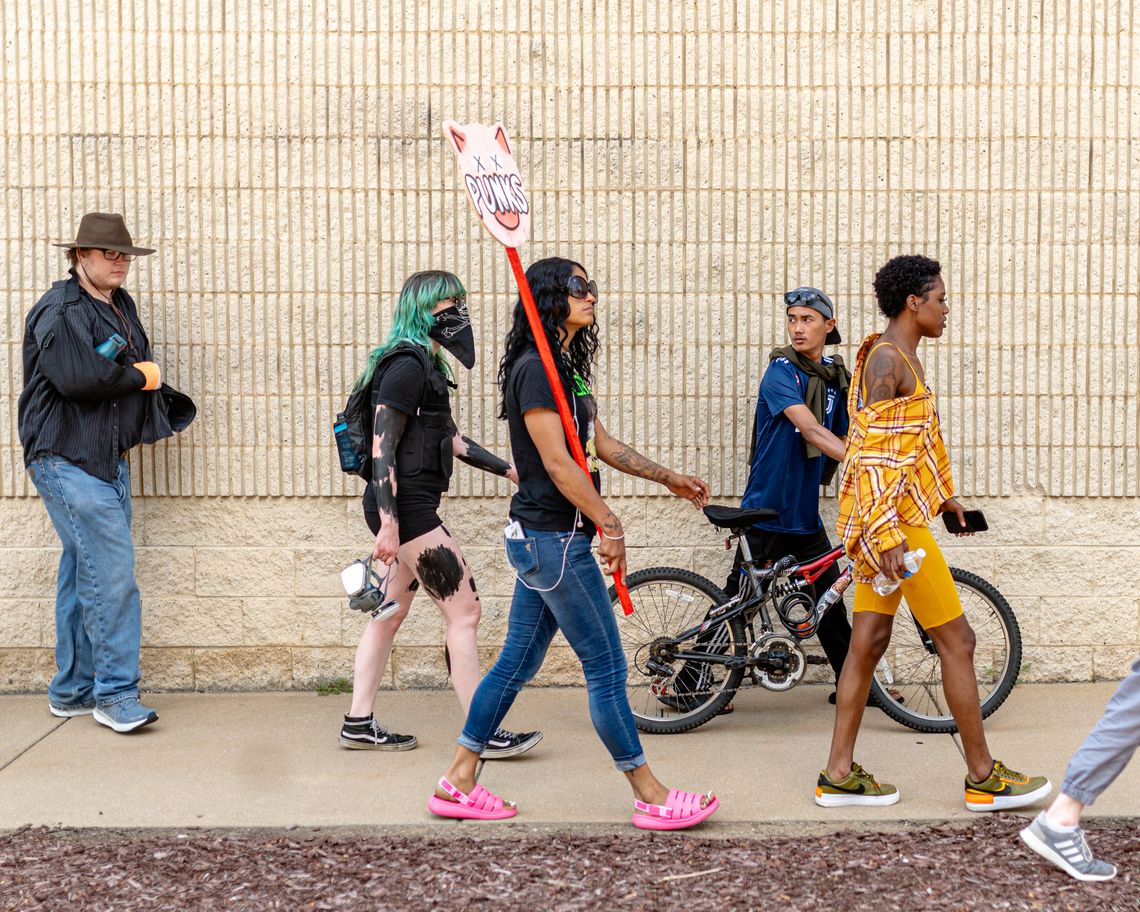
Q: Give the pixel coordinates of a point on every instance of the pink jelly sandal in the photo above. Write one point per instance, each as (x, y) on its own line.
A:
(680, 811)
(479, 805)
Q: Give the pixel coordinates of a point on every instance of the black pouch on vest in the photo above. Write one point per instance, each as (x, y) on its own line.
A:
(447, 456)
(410, 456)
(422, 446)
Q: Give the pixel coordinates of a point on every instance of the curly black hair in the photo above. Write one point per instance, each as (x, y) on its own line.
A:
(901, 277)
(547, 279)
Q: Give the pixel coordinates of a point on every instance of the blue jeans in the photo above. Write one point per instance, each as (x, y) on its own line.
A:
(577, 604)
(98, 619)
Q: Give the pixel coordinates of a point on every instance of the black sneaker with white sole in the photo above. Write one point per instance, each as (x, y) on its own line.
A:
(368, 734)
(505, 743)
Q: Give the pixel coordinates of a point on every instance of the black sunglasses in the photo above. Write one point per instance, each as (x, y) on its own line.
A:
(792, 298)
(812, 299)
(577, 287)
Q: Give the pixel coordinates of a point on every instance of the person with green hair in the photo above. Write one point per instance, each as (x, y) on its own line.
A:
(414, 440)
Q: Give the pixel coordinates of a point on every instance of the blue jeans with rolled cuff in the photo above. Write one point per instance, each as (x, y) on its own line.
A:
(559, 587)
(98, 617)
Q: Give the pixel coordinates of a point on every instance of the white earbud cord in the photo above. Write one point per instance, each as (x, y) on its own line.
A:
(573, 532)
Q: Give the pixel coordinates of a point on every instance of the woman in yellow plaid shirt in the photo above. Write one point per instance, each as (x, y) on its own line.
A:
(895, 480)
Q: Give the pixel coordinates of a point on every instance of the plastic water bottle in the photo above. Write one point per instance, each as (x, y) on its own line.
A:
(350, 460)
(884, 585)
(111, 347)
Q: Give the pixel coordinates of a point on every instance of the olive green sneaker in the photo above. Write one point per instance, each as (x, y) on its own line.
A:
(1005, 789)
(860, 787)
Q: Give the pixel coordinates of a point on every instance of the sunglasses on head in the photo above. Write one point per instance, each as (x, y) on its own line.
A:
(577, 287)
(792, 298)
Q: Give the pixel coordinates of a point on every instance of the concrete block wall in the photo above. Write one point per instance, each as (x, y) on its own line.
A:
(700, 158)
(245, 594)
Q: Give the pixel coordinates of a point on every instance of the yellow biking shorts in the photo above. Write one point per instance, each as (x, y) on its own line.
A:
(930, 594)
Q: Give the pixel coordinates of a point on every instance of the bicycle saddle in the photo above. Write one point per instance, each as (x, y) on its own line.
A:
(736, 518)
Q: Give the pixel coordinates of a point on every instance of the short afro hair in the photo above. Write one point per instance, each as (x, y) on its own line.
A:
(901, 277)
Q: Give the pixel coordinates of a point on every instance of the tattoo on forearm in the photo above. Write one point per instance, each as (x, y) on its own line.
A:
(387, 428)
(631, 461)
(884, 382)
(480, 458)
(611, 526)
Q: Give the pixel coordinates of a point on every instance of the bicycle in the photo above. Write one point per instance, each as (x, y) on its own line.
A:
(689, 646)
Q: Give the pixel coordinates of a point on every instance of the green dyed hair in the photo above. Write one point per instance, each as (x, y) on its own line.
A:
(413, 318)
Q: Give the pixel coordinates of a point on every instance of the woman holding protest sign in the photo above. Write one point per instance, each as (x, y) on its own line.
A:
(413, 442)
(559, 586)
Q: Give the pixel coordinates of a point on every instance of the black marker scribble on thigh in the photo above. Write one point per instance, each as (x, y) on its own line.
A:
(441, 571)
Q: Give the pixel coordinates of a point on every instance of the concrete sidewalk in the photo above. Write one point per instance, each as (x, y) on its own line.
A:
(272, 760)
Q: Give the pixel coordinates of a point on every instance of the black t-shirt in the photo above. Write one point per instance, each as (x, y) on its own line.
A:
(538, 504)
(401, 386)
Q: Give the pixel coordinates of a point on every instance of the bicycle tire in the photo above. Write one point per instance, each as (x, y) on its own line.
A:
(997, 660)
(668, 601)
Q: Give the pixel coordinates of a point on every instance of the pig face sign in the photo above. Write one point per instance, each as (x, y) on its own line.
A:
(492, 179)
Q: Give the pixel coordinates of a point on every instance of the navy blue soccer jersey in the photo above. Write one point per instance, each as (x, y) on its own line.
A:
(780, 477)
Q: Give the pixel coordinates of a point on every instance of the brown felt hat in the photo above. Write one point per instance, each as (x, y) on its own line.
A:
(105, 231)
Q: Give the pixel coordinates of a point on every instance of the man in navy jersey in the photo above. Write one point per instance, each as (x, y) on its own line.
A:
(798, 438)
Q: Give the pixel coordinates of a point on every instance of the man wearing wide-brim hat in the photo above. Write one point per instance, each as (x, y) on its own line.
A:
(92, 391)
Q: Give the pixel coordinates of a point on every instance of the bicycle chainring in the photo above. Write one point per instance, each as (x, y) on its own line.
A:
(780, 662)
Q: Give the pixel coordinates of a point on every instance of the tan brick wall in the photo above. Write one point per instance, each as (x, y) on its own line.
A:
(245, 594)
(699, 157)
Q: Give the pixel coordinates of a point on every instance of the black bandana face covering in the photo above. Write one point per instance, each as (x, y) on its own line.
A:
(452, 330)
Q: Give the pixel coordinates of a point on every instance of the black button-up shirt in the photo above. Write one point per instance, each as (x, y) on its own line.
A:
(76, 403)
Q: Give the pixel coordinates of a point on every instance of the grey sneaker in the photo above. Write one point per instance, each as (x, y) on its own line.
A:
(69, 710)
(1068, 850)
(125, 716)
(505, 743)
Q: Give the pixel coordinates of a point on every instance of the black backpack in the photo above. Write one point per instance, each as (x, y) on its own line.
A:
(352, 429)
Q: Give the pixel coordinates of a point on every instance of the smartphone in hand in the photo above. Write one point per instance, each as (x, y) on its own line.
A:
(975, 522)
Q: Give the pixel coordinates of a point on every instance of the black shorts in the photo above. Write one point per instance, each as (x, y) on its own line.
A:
(417, 512)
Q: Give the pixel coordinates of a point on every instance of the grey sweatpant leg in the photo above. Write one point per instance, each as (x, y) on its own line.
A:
(1109, 746)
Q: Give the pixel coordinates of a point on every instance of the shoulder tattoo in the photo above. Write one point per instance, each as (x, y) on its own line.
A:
(882, 376)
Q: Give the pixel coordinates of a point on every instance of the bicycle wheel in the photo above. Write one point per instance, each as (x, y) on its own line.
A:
(667, 694)
(912, 667)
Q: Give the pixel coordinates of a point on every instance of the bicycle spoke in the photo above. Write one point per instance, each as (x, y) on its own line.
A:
(911, 668)
(673, 689)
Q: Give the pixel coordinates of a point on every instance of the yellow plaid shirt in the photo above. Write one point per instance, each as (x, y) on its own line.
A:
(895, 470)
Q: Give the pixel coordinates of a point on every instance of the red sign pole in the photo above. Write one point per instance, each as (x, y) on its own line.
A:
(559, 394)
(495, 190)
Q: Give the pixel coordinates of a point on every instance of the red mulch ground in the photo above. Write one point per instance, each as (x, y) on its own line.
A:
(981, 866)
